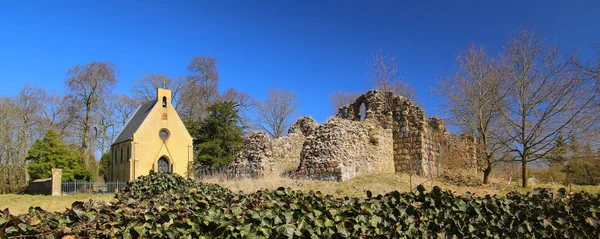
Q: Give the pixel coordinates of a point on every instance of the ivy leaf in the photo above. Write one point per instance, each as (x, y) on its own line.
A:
(328, 222)
(592, 221)
(10, 230)
(342, 230)
(34, 221)
(375, 220)
(286, 230)
(78, 209)
(141, 230)
(421, 188)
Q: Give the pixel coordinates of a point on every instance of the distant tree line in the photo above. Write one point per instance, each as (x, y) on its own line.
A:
(89, 116)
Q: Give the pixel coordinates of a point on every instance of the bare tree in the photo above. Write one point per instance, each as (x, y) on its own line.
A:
(12, 165)
(9, 133)
(88, 84)
(145, 88)
(545, 95)
(592, 71)
(57, 113)
(242, 99)
(200, 89)
(52, 108)
(593, 68)
(124, 108)
(243, 102)
(20, 126)
(471, 97)
(69, 120)
(384, 74)
(105, 128)
(29, 105)
(275, 112)
(341, 98)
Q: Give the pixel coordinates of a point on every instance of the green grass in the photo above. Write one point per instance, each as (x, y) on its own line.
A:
(383, 183)
(20, 203)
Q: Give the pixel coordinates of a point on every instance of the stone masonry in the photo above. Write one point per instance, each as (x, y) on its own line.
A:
(254, 157)
(341, 149)
(419, 145)
(260, 153)
(393, 136)
(287, 149)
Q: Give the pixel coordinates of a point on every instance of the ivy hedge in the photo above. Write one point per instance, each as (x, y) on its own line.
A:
(164, 205)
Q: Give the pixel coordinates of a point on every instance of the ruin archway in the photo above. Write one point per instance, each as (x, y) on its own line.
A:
(362, 111)
(359, 109)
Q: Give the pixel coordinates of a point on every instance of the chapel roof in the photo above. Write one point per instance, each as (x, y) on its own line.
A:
(135, 121)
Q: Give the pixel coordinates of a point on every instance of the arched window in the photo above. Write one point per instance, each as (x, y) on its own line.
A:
(163, 165)
(164, 102)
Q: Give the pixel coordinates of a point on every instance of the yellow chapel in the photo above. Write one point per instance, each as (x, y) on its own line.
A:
(154, 138)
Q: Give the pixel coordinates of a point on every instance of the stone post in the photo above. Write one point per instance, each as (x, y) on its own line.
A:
(56, 182)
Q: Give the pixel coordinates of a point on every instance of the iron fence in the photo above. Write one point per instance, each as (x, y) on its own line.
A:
(82, 187)
(226, 173)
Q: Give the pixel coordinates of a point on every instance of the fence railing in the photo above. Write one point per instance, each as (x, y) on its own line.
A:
(82, 187)
(226, 173)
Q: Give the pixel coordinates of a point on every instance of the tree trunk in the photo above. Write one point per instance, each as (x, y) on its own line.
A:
(486, 174)
(24, 147)
(524, 172)
(86, 128)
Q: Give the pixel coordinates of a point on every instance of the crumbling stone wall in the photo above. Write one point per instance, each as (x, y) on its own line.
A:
(418, 144)
(287, 149)
(260, 153)
(341, 149)
(409, 136)
(378, 107)
(394, 136)
(254, 158)
(304, 125)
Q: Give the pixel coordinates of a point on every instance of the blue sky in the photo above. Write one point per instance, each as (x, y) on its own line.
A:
(312, 48)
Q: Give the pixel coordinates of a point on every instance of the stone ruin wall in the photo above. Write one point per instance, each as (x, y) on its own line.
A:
(261, 154)
(254, 158)
(420, 145)
(287, 149)
(409, 136)
(394, 136)
(341, 149)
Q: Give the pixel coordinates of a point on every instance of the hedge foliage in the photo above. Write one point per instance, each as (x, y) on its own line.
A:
(168, 206)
